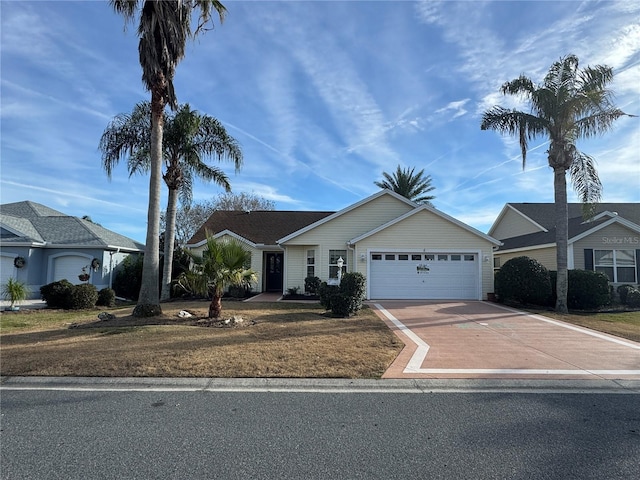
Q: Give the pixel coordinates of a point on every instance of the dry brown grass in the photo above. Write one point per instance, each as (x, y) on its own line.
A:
(279, 340)
(625, 324)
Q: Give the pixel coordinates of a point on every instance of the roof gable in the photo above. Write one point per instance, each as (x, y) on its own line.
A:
(346, 210)
(607, 214)
(432, 210)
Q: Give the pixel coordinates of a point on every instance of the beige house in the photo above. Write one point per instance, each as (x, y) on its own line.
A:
(608, 243)
(405, 250)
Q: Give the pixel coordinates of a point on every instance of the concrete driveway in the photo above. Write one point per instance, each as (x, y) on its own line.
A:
(472, 339)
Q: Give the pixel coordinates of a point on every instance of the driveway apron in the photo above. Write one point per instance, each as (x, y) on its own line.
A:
(472, 339)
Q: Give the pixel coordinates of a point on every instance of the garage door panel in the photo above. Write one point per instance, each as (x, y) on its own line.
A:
(442, 276)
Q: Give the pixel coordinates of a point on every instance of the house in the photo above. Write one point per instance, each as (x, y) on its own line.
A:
(405, 250)
(39, 245)
(609, 242)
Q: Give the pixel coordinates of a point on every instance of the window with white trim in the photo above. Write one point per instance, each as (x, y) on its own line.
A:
(618, 265)
(311, 263)
(334, 255)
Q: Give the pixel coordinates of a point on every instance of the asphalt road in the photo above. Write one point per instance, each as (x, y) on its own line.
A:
(204, 434)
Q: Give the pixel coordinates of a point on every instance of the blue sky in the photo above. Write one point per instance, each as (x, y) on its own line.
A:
(322, 96)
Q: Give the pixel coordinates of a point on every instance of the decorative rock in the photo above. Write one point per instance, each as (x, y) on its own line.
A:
(184, 314)
(106, 316)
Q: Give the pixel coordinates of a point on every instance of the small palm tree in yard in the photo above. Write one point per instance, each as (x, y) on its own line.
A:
(14, 291)
(223, 263)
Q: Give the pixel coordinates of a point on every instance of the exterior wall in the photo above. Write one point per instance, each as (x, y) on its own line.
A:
(546, 256)
(427, 231)
(513, 224)
(351, 224)
(612, 237)
(334, 235)
(39, 268)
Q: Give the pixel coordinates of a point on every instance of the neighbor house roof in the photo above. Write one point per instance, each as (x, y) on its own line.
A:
(35, 224)
(260, 227)
(543, 215)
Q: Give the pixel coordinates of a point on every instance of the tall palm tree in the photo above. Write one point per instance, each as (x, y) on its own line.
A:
(163, 29)
(409, 184)
(569, 105)
(188, 137)
(223, 263)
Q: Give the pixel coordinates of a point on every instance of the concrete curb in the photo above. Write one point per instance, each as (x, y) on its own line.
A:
(319, 385)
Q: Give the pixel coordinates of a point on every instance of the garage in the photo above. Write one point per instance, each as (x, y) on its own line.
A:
(424, 276)
(69, 267)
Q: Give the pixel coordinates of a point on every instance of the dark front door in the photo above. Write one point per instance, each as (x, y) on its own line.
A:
(274, 272)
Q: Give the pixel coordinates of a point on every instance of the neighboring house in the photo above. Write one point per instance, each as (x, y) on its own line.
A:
(405, 250)
(608, 243)
(39, 245)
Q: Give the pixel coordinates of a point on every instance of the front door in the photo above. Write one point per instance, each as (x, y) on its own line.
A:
(274, 272)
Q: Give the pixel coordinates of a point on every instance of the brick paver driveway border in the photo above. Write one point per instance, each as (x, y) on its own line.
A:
(472, 339)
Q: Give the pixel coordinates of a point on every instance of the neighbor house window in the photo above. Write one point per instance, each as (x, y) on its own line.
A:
(334, 255)
(618, 265)
(311, 263)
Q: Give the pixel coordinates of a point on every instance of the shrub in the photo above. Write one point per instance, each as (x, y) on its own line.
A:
(587, 290)
(83, 296)
(623, 291)
(57, 294)
(106, 297)
(353, 286)
(326, 291)
(128, 279)
(311, 285)
(341, 304)
(633, 298)
(293, 291)
(523, 280)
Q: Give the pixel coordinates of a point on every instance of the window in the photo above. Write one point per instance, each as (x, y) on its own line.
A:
(389, 256)
(403, 257)
(618, 265)
(456, 258)
(430, 257)
(469, 258)
(334, 255)
(443, 258)
(311, 263)
(376, 256)
(416, 257)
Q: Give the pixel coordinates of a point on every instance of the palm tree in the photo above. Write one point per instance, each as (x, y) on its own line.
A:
(570, 104)
(163, 30)
(223, 263)
(409, 185)
(188, 137)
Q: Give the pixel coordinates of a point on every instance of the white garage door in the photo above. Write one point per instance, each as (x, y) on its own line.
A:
(424, 276)
(69, 267)
(7, 270)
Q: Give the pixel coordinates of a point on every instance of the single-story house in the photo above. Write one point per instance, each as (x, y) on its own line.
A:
(609, 242)
(39, 245)
(405, 250)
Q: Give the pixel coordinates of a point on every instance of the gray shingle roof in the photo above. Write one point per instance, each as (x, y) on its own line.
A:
(35, 223)
(259, 226)
(544, 214)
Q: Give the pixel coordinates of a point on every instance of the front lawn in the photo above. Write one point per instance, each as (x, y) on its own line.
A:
(625, 324)
(273, 340)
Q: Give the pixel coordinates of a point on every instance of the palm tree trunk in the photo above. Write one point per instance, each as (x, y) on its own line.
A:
(562, 229)
(215, 308)
(149, 299)
(169, 239)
